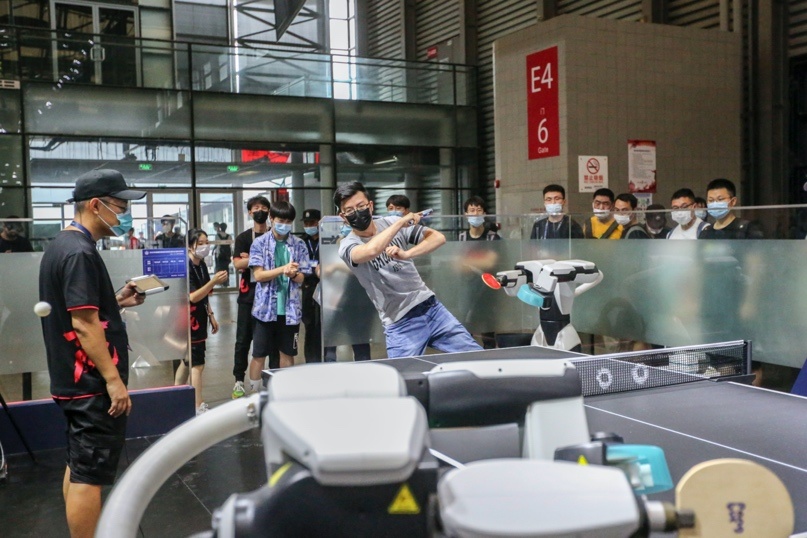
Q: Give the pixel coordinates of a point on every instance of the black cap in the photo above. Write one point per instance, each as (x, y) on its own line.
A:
(99, 183)
(311, 214)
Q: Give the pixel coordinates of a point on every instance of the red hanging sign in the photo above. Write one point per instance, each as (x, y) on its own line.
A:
(543, 116)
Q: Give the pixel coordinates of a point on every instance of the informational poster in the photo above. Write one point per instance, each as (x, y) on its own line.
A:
(543, 115)
(593, 172)
(165, 262)
(642, 166)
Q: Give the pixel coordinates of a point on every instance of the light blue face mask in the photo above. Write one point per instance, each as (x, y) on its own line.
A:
(718, 210)
(281, 228)
(476, 221)
(346, 229)
(124, 221)
(395, 213)
(311, 230)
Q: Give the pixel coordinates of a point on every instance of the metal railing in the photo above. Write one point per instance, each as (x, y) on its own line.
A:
(62, 58)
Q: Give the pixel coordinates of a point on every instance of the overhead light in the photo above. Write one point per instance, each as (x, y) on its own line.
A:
(394, 160)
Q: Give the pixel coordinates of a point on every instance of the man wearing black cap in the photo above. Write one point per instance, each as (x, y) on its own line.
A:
(311, 315)
(86, 342)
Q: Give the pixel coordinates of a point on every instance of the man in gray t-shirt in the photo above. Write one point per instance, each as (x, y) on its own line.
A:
(376, 251)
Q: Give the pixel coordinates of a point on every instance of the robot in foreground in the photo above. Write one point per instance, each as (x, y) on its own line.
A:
(551, 286)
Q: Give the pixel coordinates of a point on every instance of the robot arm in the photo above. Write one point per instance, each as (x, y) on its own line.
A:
(524, 273)
(582, 288)
(545, 279)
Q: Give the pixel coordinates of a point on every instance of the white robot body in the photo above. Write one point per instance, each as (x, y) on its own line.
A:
(551, 286)
(567, 339)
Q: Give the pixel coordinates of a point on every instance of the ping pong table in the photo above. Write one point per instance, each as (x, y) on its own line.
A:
(704, 420)
(694, 419)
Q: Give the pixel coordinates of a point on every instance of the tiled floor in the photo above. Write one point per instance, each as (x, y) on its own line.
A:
(31, 497)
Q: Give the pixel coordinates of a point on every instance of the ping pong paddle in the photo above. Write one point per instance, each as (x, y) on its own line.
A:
(491, 281)
(732, 497)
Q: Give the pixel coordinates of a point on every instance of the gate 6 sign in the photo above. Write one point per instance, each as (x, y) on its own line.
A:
(543, 123)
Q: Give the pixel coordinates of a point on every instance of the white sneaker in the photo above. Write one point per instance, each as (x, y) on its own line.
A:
(204, 408)
(238, 390)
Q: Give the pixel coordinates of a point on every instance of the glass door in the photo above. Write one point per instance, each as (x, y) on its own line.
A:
(95, 43)
(117, 28)
(218, 217)
(73, 47)
(147, 214)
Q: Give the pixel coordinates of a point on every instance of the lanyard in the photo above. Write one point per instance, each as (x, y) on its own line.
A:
(555, 227)
(313, 248)
(83, 230)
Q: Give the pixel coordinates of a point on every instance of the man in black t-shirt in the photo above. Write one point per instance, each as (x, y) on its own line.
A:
(721, 195)
(169, 237)
(86, 342)
(258, 208)
(224, 252)
(311, 311)
(555, 225)
(477, 260)
(11, 239)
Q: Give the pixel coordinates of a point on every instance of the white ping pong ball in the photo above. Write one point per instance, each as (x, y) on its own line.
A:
(42, 309)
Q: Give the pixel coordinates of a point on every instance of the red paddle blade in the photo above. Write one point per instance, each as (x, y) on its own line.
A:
(491, 281)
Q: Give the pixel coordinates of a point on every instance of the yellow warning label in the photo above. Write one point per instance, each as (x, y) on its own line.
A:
(404, 502)
(582, 460)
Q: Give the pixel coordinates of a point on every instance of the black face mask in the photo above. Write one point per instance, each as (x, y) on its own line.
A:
(260, 216)
(360, 220)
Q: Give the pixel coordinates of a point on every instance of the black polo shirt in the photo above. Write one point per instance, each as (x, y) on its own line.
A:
(73, 276)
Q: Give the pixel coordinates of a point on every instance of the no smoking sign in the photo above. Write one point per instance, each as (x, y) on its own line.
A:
(592, 172)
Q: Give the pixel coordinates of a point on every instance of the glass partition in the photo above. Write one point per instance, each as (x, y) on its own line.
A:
(654, 292)
(158, 330)
(101, 111)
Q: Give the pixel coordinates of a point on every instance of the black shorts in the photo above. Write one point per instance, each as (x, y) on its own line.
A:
(275, 335)
(94, 439)
(197, 354)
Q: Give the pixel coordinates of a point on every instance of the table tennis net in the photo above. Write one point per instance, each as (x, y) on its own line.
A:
(636, 370)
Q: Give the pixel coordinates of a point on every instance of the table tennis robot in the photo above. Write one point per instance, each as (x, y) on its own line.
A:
(551, 286)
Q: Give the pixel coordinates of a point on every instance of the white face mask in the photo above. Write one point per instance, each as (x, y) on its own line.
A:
(622, 218)
(682, 217)
(554, 209)
(700, 213)
(602, 214)
(202, 251)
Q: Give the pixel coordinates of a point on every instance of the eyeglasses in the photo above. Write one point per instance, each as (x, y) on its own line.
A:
(682, 206)
(124, 209)
(350, 211)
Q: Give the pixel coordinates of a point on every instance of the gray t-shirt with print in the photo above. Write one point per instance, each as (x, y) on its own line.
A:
(394, 286)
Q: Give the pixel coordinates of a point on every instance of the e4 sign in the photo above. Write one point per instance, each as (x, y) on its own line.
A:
(543, 116)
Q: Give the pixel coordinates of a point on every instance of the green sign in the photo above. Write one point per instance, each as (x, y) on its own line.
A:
(232, 168)
(146, 166)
